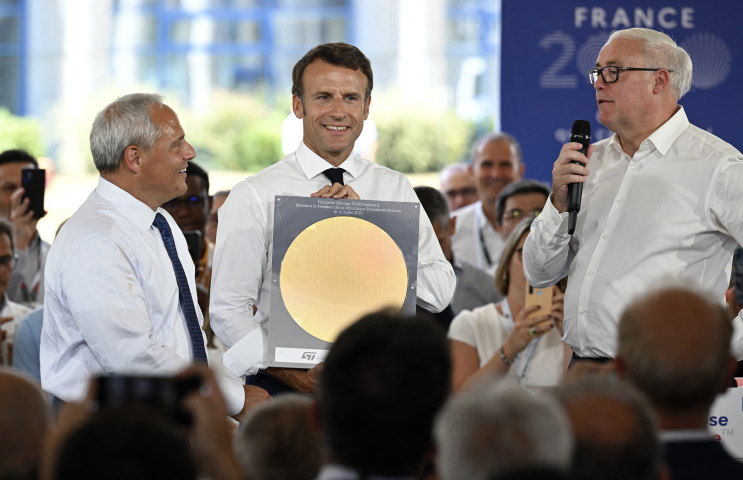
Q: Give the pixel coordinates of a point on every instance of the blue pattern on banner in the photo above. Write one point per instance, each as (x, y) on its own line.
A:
(549, 45)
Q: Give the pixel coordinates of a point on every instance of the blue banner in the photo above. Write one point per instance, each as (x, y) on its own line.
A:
(548, 46)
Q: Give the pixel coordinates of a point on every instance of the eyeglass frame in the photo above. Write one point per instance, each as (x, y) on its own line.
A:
(600, 71)
(532, 213)
(191, 205)
(13, 261)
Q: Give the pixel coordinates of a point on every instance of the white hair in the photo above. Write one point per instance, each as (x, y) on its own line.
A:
(123, 123)
(453, 168)
(660, 51)
(482, 434)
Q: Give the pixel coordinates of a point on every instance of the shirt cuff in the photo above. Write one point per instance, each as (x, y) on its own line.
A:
(554, 222)
(246, 356)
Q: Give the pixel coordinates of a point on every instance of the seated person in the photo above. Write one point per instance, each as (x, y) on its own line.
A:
(498, 339)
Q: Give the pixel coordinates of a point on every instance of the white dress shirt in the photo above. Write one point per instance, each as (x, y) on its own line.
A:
(474, 235)
(112, 304)
(242, 260)
(672, 212)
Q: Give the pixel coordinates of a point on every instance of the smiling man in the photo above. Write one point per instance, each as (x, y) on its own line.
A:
(662, 199)
(120, 285)
(331, 90)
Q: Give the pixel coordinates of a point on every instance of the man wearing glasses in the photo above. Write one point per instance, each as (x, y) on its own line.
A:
(519, 200)
(661, 197)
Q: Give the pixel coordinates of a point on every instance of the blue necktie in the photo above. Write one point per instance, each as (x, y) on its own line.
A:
(199, 352)
(335, 175)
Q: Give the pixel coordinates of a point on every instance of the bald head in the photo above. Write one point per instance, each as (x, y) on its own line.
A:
(674, 345)
(615, 431)
(458, 186)
(24, 422)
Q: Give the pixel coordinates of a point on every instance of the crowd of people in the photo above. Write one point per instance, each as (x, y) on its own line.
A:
(145, 356)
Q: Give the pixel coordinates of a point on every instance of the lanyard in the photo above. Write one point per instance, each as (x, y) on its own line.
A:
(521, 362)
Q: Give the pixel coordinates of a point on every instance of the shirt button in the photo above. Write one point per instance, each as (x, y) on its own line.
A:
(582, 312)
(606, 236)
(633, 165)
(544, 250)
(555, 222)
(582, 350)
(590, 273)
(619, 201)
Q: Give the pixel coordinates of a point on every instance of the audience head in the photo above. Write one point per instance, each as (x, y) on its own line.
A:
(510, 271)
(517, 201)
(24, 424)
(279, 440)
(437, 210)
(496, 162)
(125, 444)
(138, 144)
(484, 433)
(212, 222)
(381, 386)
(458, 186)
(674, 345)
(616, 436)
(7, 255)
(12, 162)
(191, 210)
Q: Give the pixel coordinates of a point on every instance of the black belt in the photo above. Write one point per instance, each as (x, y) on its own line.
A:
(578, 358)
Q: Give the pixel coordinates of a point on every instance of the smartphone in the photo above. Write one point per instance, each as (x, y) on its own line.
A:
(161, 394)
(193, 240)
(33, 181)
(541, 297)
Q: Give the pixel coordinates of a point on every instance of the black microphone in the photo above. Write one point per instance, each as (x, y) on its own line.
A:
(581, 133)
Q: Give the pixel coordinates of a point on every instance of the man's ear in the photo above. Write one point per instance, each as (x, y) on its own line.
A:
(366, 107)
(132, 159)
(297, 106)
(662, 81)
(452, 225)
(522, 169)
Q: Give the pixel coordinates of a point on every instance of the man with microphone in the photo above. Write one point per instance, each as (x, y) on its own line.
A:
(661, 198)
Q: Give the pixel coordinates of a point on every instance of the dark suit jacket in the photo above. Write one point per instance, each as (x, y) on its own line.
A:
(703, 459)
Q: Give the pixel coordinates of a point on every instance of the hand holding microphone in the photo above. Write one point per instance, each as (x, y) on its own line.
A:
(569, 172)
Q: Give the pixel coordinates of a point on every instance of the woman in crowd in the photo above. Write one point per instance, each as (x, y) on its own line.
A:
(498, 339)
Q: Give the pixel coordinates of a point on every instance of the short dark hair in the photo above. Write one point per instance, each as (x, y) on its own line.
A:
(125, 444)
(522, 187)
(7, 228)
(340, 54)
(383, 382)
(435, 205)
(194, 169)
(17, 156)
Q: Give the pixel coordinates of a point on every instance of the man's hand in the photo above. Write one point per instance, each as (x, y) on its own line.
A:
(211, 435)
(336, 191)
(565, 173)
(304, 381)
(23, 220)
(254, 396)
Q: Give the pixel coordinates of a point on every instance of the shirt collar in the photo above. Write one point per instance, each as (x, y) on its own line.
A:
(134, 210)
(313, 165)
(665, 135)
(339, 472)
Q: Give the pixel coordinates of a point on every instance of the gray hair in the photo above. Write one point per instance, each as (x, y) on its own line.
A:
(453, 168)
(666, 384)
(662, 52)
(637, 456)
(495, 137)
(481, 434)
(278, 441)
(123, 123)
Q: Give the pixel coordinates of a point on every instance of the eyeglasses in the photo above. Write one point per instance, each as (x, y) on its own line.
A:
(193, 204)
(8, 261)
(611, 74)
(518, 214)
(464, 192)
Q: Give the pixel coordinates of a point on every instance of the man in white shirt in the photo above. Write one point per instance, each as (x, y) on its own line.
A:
(120, 284)
(662, 198)
(331, 90)
(496, 162)
(27, 282)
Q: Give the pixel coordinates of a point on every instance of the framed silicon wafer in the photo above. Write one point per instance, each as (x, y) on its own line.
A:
(335, 261)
